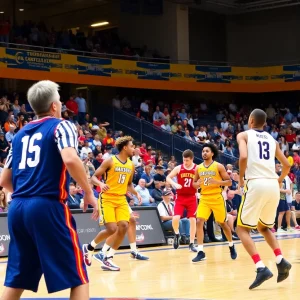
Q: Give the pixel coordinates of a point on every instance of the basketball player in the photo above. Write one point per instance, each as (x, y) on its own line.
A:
(186, 196)
(258, 150)
(131, 233)
(40, 224)
(118, 173)
(210, 176)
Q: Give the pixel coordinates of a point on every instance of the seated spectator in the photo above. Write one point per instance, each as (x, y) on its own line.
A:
(158, 115)
(10, 122)
(290, 136)
(74, 200)
(9, 136)
(166, 212)
(130, 199)
(108, 140)
(159, 176)
(98, 161)
(148, 178)
(166, 126)
(136, 159)
(283, 144)
(147, 200)
(295, 210)
(157, 193)
(4, 147)
(107, 152)
(295, 124)
(85, 149)
(3, 202)
(96, 141)
(289, 157)
(296, 145)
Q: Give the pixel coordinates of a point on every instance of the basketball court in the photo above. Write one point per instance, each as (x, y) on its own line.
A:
(170, 274)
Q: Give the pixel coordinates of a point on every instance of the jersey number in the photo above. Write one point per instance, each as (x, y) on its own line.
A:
(28, 147)
(206, 181)
(122, 178)
(264, 150)
(187, 182)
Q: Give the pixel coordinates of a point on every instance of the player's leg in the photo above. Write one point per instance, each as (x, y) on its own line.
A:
(178, 212)
(12, 294)
(122, 216)
(109, 219)
(266, 222)
(80, 292)
(191, 214)
(131, 233)
(203, 213)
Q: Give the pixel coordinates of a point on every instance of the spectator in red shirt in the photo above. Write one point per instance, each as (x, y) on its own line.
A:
(290, 136)
(296, 158)
(108, 140)
(148, 155)
(292, 177)
(72, 105)
(143, 149)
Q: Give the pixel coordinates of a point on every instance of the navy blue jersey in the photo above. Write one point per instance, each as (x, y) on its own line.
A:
(35, 159)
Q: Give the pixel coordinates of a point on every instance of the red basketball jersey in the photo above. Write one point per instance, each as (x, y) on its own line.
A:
(185, 178)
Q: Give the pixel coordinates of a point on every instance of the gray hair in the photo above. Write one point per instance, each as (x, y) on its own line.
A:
(41, 95)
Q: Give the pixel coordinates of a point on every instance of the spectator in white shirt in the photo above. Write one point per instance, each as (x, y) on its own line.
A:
(166, 126)
(147, 200)
(108, 153)
(85, 149)
(136, 159)
(117, 102)
(144, 108)
(224, 124)
(202, 133)
(295, 124)
(96, 141)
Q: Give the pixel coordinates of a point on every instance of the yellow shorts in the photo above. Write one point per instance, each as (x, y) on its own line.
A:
(212, 203)
(113, 210)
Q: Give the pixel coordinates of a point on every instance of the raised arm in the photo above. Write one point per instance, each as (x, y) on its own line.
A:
(170, 177)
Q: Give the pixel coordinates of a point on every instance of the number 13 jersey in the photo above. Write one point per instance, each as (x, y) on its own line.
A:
(117, 178)
(261, 148)
(209, 172)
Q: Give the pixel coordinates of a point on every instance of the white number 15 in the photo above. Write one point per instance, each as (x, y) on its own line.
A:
(29, 147)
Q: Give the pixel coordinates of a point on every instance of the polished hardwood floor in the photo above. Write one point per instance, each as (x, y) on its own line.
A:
(170, 274)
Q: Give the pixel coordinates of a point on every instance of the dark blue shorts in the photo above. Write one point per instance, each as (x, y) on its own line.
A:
(282, 206)
(43, 240)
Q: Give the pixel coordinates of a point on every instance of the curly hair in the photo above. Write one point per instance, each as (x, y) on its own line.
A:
(123, 141)
(212, 148)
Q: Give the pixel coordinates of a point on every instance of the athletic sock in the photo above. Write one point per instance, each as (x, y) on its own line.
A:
(258, 263)
(133, 247)
(192, 241)
(278, 255)
(230, 244)
(111, 252)
(92, 246)
(176, 232)
(105, 248)
(200, 248)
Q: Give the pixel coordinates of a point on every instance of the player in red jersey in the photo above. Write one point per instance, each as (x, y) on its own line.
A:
(186, 196)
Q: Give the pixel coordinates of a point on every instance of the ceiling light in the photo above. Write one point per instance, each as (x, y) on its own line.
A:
(1, 12)
(21, 9)
(100, 24)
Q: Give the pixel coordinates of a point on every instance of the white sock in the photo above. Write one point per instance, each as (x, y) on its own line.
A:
(192, 241)
(200, 248)
(93, 244)
(111, 252)
(230, 244)
(176, 231)
(133, 247)
(105, 248)
(279, 259)
(259, 264)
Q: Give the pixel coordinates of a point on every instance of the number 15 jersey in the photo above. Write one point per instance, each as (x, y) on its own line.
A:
(261, 155)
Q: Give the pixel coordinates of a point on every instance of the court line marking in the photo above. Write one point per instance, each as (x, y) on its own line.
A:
(257, 239)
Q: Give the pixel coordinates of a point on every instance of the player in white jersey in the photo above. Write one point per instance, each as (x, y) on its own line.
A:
(258, 151)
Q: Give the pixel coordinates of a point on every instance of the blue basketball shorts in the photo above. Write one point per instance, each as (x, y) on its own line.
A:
(43, 240)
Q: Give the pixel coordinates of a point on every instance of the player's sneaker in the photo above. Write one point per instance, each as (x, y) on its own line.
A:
(176, 241)
(290, 230)
(200, 256)
(99, 257)
(283, 270)
(108, 265)
(233, 253)
(192, 247)
(137, 255)
(280, 230)
(262, 275)
(87, 255)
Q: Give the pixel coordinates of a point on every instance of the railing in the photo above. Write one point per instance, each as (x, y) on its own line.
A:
(147, 59)
(158, 138)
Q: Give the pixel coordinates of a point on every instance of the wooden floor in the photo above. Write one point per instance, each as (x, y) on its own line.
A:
(170, 274)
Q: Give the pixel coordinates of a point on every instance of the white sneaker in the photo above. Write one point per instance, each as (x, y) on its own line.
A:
(280, 230)
(290, 229)
(108, 265)
(87, 255)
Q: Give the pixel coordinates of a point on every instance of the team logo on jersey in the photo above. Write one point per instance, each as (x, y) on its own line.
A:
(2, 249)
(208, 173)
(122, 169)
(187, 175)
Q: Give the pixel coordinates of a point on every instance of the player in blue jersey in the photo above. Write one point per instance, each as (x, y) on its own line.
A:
(43, 237)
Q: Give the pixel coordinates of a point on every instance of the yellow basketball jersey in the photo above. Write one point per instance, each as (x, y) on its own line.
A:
(117, 178)
(209, 172)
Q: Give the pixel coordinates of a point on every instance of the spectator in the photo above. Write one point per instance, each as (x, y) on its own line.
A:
(74, 200)
(116, 102)
(274, 132)
(296, 145)
(4, 147)
(295, 210)
(3, 202)
(166, 212)
(96, 141)
(144, 108)
(72, 107)
(82, 108)
(108, 140)
(289, 157)
(136, 159)
(182, 114)
(85, 149)
(283, 144)
(288, 116)
(147, 200)
(157, 193)
(9, 136)
(159, 176)
(166, 126)
(98, 161)
(270, 111)
(187, 135)
(148, 178)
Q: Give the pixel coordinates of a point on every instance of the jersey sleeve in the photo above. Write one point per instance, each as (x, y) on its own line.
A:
(8, 162)
(66, 135)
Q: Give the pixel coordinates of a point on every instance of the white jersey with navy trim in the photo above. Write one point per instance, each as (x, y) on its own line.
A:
(261, 155)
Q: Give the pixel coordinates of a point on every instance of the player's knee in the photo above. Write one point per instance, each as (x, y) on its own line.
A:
(122, 227)
(132, 221)
(200, 222)
(112, 228)
(262, 228)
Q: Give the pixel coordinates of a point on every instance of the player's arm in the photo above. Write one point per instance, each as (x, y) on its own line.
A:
(170, 177)
(226, 181)
(6, 175)
(104, 167)
(131, 188)
(242, 139)
(196, 182)
(285, 163)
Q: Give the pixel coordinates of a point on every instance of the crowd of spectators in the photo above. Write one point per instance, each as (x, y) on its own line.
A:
(98, 42)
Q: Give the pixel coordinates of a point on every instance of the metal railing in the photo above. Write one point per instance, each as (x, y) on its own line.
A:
(147, 59)
(158, 138)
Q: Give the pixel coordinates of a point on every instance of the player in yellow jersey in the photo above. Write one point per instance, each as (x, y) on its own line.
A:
(117, 172)
(210, 176)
